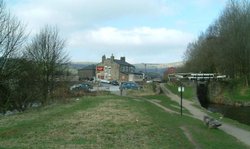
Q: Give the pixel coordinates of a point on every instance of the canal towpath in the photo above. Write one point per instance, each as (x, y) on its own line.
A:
(239, 133)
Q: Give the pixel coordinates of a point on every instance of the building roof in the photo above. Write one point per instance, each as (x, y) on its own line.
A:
(121, 62)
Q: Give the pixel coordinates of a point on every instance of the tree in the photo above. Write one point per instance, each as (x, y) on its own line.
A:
(26, 89)
(235, 22)
(198, 56)
(47, 51)
(224, 47)
(12, 38)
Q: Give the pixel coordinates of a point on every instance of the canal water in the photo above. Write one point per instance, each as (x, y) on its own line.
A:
(240, 114)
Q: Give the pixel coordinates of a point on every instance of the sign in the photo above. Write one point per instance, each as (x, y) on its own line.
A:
(123, 77)
(171, 70)
(180, 89)
(100, 68)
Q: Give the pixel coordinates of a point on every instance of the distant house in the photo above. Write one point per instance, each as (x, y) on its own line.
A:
(87, 73)
(136, 77)
(169, 73)
(114, 69)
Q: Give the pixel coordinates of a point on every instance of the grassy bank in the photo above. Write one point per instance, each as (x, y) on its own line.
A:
(222, 93)
(109, 122)
(230, 93)
(239, 94)
(189, 92)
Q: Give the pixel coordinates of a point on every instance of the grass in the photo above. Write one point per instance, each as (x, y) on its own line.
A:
(147, 89)
(167, 102)
(108, 122)
(188, 93)
(238, 94)
(235, 92)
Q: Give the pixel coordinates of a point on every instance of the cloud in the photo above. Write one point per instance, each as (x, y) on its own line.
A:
(83, 23)
(139, 43)
(83, 13)
(141, 30)
(136, 36)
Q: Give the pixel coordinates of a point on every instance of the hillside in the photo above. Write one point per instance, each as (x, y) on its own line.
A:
(156, 67)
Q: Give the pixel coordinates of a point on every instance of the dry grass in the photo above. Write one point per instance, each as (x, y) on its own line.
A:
(147, 90)
(107, 122)
(103, 124)
(111, 123)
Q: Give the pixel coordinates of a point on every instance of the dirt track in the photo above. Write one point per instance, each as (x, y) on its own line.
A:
(241, 134)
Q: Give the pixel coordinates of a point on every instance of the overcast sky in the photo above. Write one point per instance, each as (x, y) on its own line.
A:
(145, 31)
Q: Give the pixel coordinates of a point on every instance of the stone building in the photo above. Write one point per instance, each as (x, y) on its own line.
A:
(114, 69)
(87, 73)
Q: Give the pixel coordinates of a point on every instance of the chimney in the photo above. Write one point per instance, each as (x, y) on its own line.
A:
(103, 58)
(112, 57)
(123, 59)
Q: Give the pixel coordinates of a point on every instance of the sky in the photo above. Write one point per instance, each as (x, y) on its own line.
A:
(144, 31)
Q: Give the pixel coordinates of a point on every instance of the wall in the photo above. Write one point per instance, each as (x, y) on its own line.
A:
(84, 74)
(111, 70)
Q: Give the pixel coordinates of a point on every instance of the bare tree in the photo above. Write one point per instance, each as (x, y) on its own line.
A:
(224, 47)
(47, 51)
(11, 39)
(11, 36)
(235, 22)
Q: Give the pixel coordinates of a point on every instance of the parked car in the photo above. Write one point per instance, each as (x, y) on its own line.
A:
(82, 86)
(130, 85)
(105, 81)
(114, 82)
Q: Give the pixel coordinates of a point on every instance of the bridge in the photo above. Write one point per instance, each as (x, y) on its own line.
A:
(197, 76)
(202, 81)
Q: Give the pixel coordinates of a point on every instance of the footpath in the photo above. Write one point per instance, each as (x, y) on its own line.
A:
(239, 133)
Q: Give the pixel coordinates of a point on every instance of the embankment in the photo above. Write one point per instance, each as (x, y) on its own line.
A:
(221, 93)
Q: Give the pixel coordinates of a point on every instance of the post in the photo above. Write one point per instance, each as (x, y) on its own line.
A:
(121, 91)
(120, 87)
(181, 99)
(181, 89)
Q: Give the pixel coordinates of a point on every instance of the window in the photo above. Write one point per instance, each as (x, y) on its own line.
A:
(123, 69)
(126, 69)
(132, 69)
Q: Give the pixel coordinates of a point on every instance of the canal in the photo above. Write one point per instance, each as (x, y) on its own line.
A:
(240, 114)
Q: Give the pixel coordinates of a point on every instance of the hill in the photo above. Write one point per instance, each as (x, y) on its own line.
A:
(156, 67)
(148, 67)
(80, 65)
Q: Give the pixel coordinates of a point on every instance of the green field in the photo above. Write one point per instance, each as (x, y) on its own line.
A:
(189, 92)
(109, 122)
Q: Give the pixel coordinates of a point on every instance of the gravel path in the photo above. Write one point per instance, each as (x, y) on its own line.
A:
(164, 108)
(239, 133)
